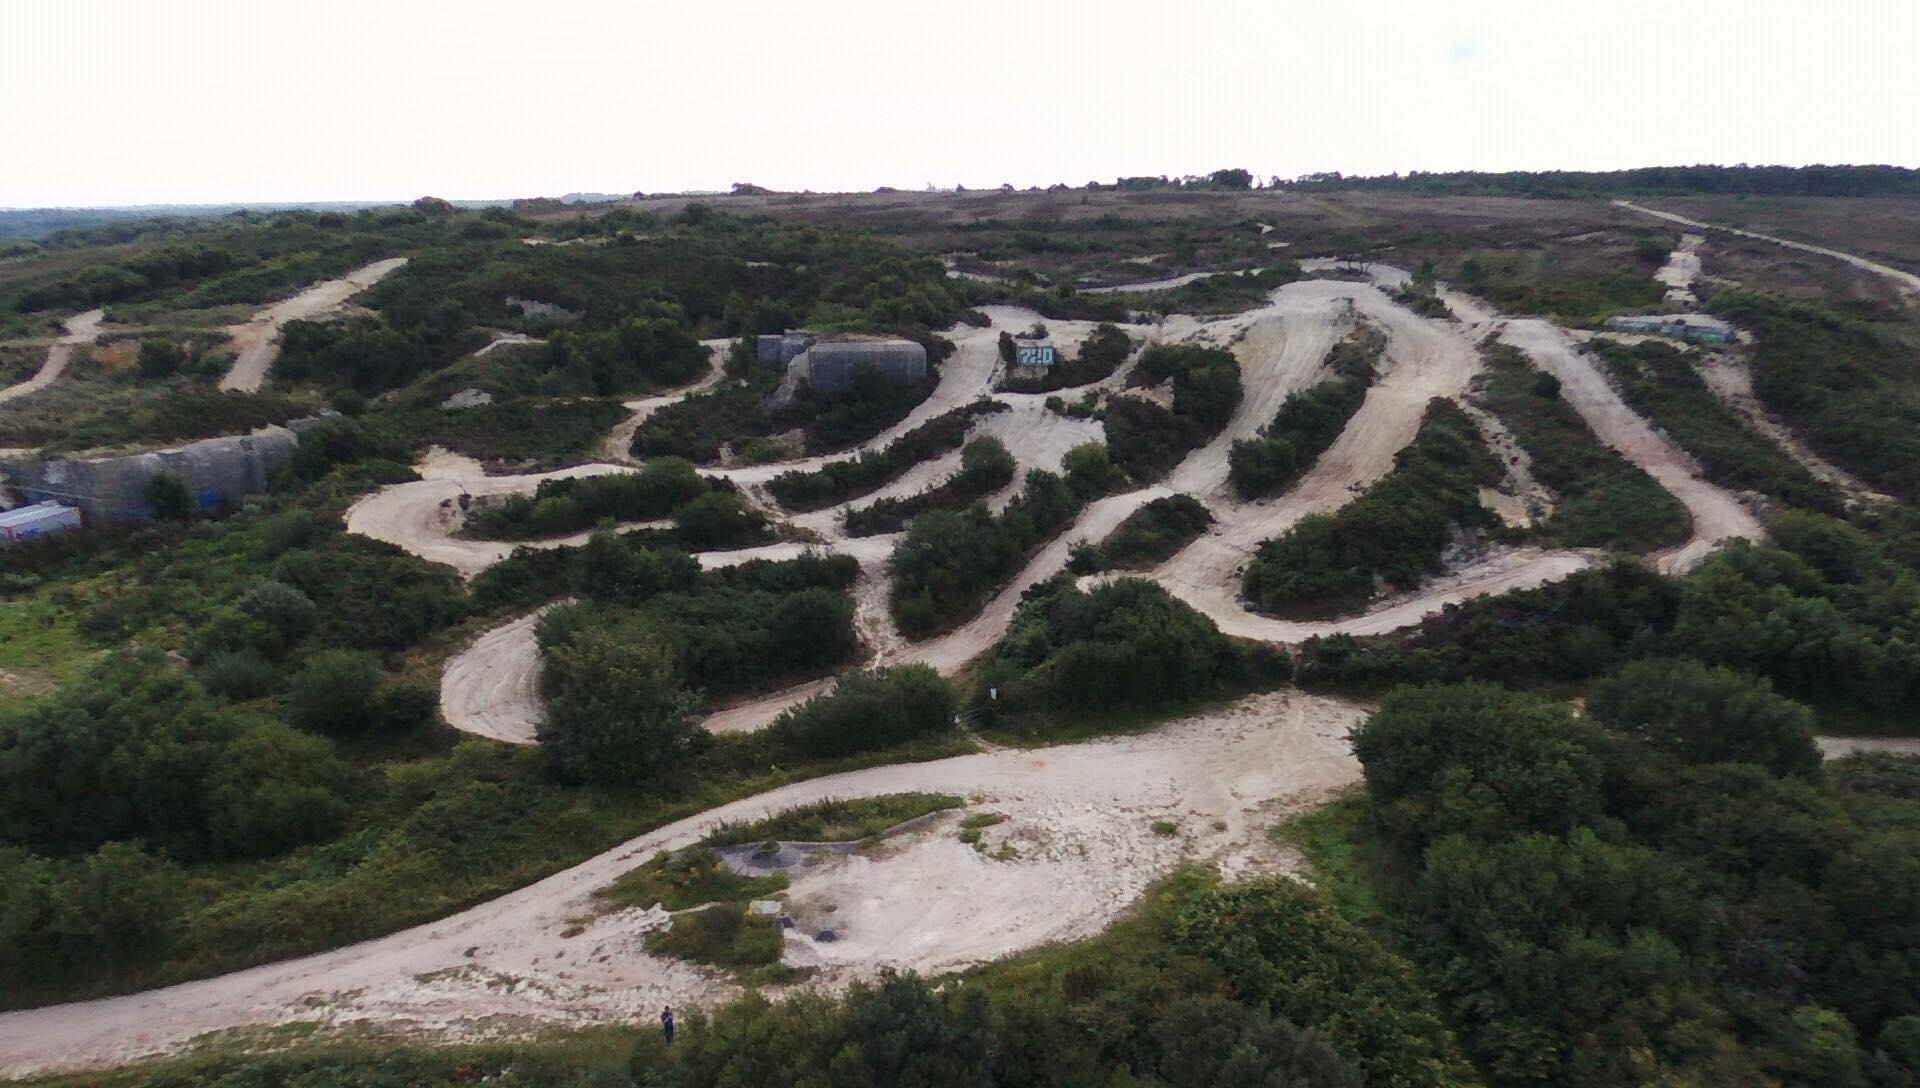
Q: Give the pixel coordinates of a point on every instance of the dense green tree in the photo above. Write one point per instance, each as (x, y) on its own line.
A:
(869, 709)
(1704, 715)
(1480, 761)
(336, 691)
(168, 497)
(616, 713)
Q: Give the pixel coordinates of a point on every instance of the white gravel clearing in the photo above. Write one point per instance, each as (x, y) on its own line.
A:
(1080, 817)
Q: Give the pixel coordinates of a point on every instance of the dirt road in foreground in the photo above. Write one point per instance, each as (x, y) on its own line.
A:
(1079, 819)
(80, 329)
(258, 341)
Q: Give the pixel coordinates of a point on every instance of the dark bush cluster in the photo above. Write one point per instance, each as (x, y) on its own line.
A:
(1148, 536)
(1394, 533)
(869, 709)
(985, 467)
(849, 479)
(1126, 644)
(949, 562)
(1148, 440)
(1740, 920)
(1605, 501)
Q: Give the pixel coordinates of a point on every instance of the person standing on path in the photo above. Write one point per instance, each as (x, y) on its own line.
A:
(666, 1022)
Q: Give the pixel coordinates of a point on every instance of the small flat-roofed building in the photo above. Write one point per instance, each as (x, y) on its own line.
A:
(1693, 328)
(40, 519)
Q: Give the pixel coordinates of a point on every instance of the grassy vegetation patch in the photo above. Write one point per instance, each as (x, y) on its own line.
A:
(1847, 385)
(726, 935)
(1606, 501)
(686, 878)
(41, 647)
(1659, 382)
(1531, 283)
(1390, 538)
(1149, 535)
(836, 820)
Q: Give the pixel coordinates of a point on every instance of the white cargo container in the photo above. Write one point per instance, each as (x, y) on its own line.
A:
(27, 522)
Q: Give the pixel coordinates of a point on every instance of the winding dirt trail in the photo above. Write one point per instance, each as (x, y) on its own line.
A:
(1717, 514)
(1729, 377)
(1079, 816)
(618, 446)
(492, 688)
(258, 341)
(1423, 359)
(1906, 280)
(80, 329)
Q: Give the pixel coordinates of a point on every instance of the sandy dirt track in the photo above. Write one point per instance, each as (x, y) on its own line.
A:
(1906, 280)
(1728, 375)
(1717, 514)
(80, 329)
(258, 341)
(491, 688)
(1423, 359)
(1836, 747)
(1681, 269)
(1079, 815)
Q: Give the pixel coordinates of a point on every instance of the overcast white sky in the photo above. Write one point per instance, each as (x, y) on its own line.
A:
(167, 101)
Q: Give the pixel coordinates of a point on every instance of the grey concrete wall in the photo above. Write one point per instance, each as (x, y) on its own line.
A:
(113, 489)
(829, 366)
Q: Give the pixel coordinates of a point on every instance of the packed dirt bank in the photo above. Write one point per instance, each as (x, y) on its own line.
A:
(1079, 822)
(1717, 515)
(80, 329)
(258, 341)
(1906, 280)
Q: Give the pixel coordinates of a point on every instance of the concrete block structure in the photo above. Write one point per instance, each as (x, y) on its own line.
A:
(779, 349)
(1036, 354)
(1693, 328)
(114, 489)
(828, 366)
(40, 519)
